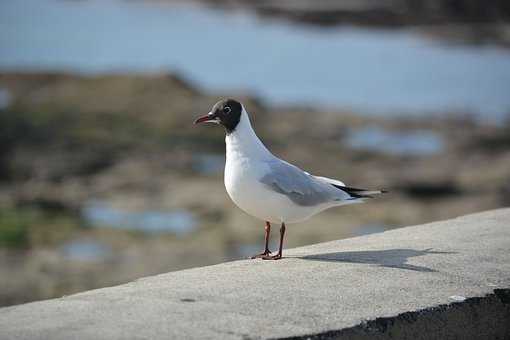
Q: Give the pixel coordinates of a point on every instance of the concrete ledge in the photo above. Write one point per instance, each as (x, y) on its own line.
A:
(447, 279)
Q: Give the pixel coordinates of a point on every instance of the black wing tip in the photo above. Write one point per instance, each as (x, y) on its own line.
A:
(357, 192)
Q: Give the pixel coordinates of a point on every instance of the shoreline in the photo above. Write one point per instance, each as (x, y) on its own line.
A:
(133, 147)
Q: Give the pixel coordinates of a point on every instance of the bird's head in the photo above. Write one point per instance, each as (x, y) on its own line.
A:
(226, 112)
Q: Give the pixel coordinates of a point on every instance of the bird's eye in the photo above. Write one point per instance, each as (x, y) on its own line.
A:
(227, 110)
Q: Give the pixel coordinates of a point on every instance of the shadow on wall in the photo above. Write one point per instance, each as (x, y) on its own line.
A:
(391, 258)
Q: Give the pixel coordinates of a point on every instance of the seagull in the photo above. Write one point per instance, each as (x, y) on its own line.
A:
(267, 187)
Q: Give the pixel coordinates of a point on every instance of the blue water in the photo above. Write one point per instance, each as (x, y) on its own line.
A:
(370, 71)
(409, 143)
(101, 214)
(86, 250)
(208, 164)
(5, 98)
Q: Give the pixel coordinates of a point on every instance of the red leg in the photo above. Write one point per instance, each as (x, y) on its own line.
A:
(279, 254)
(266, 252)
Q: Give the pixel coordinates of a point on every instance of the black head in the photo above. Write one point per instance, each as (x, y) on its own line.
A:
(226, 112)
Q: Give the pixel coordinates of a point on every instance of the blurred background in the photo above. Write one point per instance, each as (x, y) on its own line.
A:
(104, 179)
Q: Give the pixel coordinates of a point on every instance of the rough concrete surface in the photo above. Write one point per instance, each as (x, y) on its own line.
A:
(447, 279)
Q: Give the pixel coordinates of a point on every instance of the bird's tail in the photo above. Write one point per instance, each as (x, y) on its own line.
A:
(359, 193)
(353, 192)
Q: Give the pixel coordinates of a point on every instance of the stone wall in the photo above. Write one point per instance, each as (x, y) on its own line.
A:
(447, 279)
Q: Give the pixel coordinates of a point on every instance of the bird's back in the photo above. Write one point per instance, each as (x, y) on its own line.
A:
(269, 188)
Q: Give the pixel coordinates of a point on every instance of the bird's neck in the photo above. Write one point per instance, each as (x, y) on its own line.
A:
(244, 143)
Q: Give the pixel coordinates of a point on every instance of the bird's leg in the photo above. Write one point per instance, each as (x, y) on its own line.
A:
(279, 254)
(266, 252)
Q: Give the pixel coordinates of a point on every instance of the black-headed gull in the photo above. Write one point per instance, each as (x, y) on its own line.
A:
(267, 187)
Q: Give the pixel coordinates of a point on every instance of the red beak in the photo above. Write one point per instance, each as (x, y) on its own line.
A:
(206, 118)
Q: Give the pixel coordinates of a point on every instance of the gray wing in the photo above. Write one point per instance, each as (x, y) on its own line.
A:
(299, 186)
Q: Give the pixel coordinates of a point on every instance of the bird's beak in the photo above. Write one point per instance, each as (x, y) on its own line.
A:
(208, 118)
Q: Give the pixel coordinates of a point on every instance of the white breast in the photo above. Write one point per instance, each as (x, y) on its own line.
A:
(242, 181)
(246, 164)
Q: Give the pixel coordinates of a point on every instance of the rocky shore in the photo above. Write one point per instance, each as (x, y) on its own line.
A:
(127, 141)
(465, 21)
